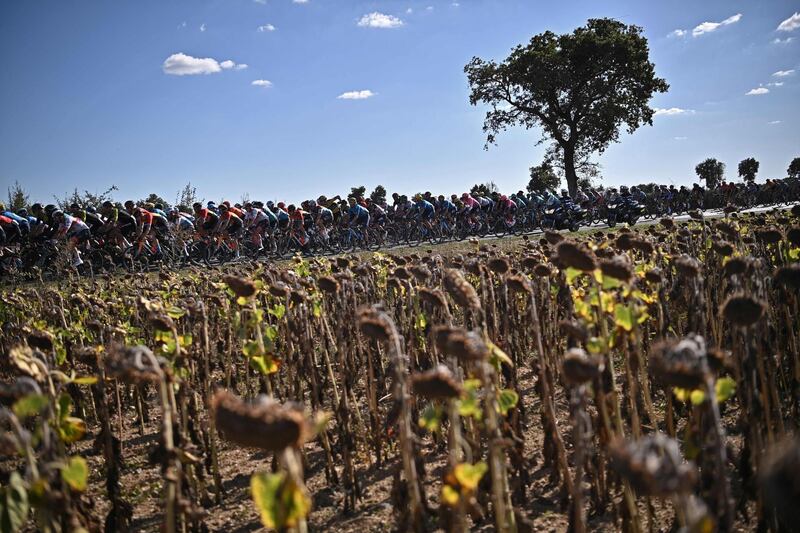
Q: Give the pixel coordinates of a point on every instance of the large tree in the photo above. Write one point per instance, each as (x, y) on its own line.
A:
(794, 168)
(543, 177)
(748, 168)
(580, 88)
(711, 171)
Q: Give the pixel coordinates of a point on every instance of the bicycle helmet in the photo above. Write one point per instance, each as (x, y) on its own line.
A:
(291, 208)
(23, 212)
(223, 207)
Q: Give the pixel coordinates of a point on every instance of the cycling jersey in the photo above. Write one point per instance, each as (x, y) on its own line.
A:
(358, 214)
(254, 217)
(181, 223)
(424, 209)
(71, 226)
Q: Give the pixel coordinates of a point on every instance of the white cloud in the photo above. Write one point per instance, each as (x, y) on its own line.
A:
(261, 83)
(300, 1)
(262, 2)
(775, 84)
(182, 25)
(790, 24)
(409, 11)
(181, 64)
(677, 33)
(356, 95)
(680, 138)
(783, 73)
(429, 8)
(708, 27)
(266, 27)
(756, 92)
(455, 4)
(773, 122)
(782, 41)
(379, 20)
(203, 27)
(672, 111)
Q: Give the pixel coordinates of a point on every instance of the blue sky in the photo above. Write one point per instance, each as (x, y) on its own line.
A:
(89, 98)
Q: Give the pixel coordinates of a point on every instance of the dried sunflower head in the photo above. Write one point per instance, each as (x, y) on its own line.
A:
(376, 324)
(789, 276)
(433, 297)
(240, 286)
(681, 363)
(134, 364)
(553, 237)
(499, 265)
(518, 283)
(653, 275)
(742, 310)
(793, 235)
(653, 466)
(328, 284)
(263, 424)
(579, 367)
(462, 292)
(436, 384)
(467, 345)
(779, 481)
(575, 255)
(688, 266)
(619, 267)
(735, 265)
(41, 340)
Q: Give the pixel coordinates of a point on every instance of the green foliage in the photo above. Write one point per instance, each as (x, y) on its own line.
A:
(13, 504)
(580, 88)
(484, 189)
(76, 473)
(17, 198)
(378, 195)
(711, 171)
(358, 192)
(85, 198)
(468, 476)
(30, 405)
(507, 400)
(186, 197)
(153, 198)
(543, 178)
(431, 418)
(794, 168)
(280, 502)
(748, 168)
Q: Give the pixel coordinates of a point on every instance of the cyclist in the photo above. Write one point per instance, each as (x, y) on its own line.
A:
(145, 231)
(297, 227)
(255, 222)
(229, 226)
(120, 224)
(9, 230)
(424, 211)
(75, 231)
(358, 215)
(205, 220)
(508, 209)
(89, 216)
(24, 225)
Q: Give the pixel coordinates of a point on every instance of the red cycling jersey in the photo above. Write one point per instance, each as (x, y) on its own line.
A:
(144, 217)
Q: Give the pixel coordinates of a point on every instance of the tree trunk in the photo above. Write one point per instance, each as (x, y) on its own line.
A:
(569, 169)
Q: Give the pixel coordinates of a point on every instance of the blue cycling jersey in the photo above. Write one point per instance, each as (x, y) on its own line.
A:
(424, 207)
(358, 212)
